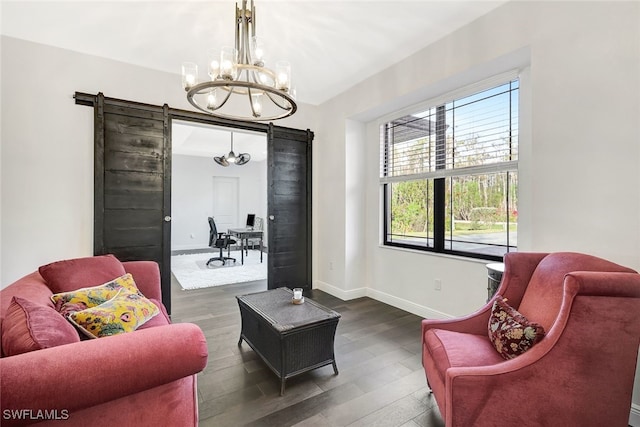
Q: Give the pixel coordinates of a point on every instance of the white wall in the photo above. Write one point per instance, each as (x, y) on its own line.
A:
(579, 152)
(192, 196)
(47, 146)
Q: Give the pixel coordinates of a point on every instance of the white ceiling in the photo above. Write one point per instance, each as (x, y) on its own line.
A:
(192, 139)
(331, 45)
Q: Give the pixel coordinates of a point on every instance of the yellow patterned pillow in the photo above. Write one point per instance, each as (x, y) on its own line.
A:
(80, 299)
(125, 312)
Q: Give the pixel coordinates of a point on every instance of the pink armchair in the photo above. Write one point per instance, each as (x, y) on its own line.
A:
(580, 374)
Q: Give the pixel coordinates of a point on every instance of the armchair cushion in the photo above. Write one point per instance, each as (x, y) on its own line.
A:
(449, 349)
(71, 274)
(29, 326)
(510, 332)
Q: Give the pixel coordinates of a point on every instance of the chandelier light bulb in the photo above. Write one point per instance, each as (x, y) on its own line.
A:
(257, 105)
(189, 75)
(258, 52)
(214, 69)
(283, 80)
(283, 75)
(228, 63)
(211, 100)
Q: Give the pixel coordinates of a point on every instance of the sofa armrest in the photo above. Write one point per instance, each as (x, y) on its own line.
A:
(146, 274)
(81, 375)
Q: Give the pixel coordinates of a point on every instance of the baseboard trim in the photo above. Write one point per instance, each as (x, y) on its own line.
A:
(400, 303)
(340, 293)
(406, 305)
(634, 417)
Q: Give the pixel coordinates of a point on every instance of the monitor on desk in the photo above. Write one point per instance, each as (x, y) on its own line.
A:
(251, 219)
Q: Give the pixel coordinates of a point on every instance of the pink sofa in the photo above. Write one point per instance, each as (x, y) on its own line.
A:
(145, 377)
(580, 373)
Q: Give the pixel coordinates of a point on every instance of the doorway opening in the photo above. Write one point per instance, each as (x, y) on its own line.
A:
(202, 188)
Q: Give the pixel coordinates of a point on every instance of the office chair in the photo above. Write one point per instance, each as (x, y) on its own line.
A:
(220, 241)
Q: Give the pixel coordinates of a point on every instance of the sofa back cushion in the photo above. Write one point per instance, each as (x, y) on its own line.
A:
(30, 326)
(69, 275)
(543, 296)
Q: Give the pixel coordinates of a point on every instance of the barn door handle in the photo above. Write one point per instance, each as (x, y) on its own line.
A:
(271, 217)
(167, 218)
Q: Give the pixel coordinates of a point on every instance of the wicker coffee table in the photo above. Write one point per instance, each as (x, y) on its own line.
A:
(290, 338)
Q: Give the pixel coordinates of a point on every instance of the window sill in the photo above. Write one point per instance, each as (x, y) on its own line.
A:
(439, 254)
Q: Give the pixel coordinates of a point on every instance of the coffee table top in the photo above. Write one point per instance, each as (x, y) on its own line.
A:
(276, 307)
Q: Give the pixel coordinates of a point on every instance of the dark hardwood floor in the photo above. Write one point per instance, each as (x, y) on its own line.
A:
(381, 380)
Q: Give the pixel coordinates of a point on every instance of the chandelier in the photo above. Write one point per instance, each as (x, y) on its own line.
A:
(240, 86)
(240, 159)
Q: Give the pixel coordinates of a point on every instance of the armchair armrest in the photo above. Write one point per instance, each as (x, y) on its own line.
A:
(595, 283)
(475, 323)
(146, 274)
(80, 375)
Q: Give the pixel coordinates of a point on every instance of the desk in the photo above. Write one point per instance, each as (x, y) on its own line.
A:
(244, 234)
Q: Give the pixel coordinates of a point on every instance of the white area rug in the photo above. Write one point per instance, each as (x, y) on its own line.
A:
(192, 271)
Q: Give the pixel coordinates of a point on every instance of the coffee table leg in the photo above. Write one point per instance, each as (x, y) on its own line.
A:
(240, 341)
(335, 368)
(282, 380)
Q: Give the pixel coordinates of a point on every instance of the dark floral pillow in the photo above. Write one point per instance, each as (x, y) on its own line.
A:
(510, 332)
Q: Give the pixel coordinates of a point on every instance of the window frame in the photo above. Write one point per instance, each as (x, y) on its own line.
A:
(440, 239)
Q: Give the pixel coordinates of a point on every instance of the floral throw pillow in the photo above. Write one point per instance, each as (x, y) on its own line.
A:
(510, 332)
(80, 299)
(125, 312)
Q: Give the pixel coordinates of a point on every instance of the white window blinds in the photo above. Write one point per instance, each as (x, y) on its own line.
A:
(472, 134)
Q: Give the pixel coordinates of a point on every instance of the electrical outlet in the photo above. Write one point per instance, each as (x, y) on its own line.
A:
(330, 265)
(192, 236)
(438, 284)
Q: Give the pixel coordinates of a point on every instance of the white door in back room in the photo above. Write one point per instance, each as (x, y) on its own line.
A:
(225, 202)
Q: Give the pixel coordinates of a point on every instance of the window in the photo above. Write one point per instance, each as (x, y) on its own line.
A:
(450, 175)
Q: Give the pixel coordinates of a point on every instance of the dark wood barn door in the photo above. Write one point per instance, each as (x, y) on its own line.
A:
(132, 199)
(289, 208)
